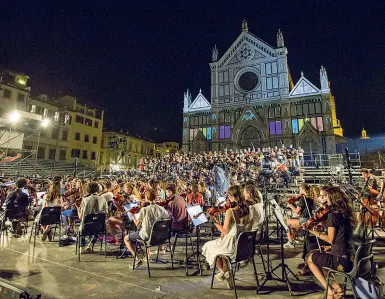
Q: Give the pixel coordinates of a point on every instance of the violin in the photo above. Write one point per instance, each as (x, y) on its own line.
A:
(318, 217)
(291, 200)
(136, 210)
(218, 210)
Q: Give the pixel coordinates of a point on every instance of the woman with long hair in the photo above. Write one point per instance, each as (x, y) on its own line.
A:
(253, 198)
(303, 209)
(230, 230)
(51, 199)
(340, 255)
(194, 197)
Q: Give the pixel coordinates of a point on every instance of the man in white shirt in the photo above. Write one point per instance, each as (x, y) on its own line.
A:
(147, 217)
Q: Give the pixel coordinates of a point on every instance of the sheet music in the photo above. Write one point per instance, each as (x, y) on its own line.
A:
(192, 211)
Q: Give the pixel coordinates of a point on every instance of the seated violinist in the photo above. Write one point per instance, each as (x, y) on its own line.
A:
(116, 221)
(231, 228)
(147, 216)
(340, 255)
(304, 207)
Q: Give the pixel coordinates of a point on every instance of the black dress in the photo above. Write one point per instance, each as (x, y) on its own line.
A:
(341, 255)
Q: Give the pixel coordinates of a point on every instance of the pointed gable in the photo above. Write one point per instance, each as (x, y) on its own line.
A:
(200, 103)
(304, 87)
(246, 47)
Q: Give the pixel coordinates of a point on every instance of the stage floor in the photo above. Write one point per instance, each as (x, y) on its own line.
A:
(55, 272)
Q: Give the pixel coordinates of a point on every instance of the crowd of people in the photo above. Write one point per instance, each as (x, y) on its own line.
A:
(160, 192)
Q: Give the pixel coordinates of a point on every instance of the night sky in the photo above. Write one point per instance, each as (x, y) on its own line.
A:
(136, 58)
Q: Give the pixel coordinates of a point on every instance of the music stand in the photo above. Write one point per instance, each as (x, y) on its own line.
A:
(283, 228)
(193, 212)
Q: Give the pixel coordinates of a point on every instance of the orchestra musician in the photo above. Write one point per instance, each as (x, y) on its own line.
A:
(147, 216)
(51, 199)
(304, 207)
(176, 209)
(116, 221)
(253, 198)
(194, 197)
(310, 241)
(232, 227)
(340, 254)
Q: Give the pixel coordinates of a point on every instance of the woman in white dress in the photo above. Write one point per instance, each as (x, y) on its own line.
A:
(231, 228)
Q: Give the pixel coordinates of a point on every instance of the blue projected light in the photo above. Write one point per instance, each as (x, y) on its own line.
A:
(294, 125)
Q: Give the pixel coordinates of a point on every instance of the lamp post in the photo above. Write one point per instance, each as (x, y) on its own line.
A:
(44, 123)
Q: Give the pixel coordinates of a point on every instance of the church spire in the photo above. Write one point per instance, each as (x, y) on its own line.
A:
(186, 100)
(215, 54)
(324, 79)
(244, 26)
(280, 41)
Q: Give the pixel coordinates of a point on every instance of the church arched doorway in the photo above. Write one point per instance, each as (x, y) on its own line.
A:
(250, 137)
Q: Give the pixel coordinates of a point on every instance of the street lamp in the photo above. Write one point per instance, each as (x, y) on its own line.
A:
(43, 124)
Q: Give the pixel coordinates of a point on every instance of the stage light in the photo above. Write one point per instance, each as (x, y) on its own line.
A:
(14, 117)
(45, 122)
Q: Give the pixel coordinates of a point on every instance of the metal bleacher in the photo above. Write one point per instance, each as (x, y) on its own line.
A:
(43, 168)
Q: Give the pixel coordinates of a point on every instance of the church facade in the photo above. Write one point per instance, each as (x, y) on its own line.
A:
(254, 103)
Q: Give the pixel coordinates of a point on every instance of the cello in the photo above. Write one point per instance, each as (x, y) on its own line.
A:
(370, 204)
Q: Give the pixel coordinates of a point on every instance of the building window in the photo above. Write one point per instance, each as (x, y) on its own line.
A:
(85, 155)
(93, 156)
(56, 116)
(271, 112)
(208, 133)
(54, 134)
(41, 153)
(305, 109)
(285, 112)
(328, 125)
(300, 124)
(224, 132)
(20, 97)
(277, 111)
(293, 110)
(311, 108)
(294, 126)
(33, 109)
(7, 93)
(96, 124)
(320, 124)
(318, 108)
(67, 119)
(52, 154)
(75, 153)
(86, 138)
(299, 110)
(62, 155)
(287, 127)
(64, 135)
(275, 127)
(88, 122)
(95, 140)
(79, 119)
(77, 136)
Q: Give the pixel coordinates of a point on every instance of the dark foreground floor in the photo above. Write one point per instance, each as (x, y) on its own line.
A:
(55, 272)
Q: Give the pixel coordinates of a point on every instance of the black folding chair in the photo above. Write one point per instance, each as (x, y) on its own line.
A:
(14, 216)
(244, 250)
(160, 235)
(48, 216)
(93, 225)
(362, 265)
